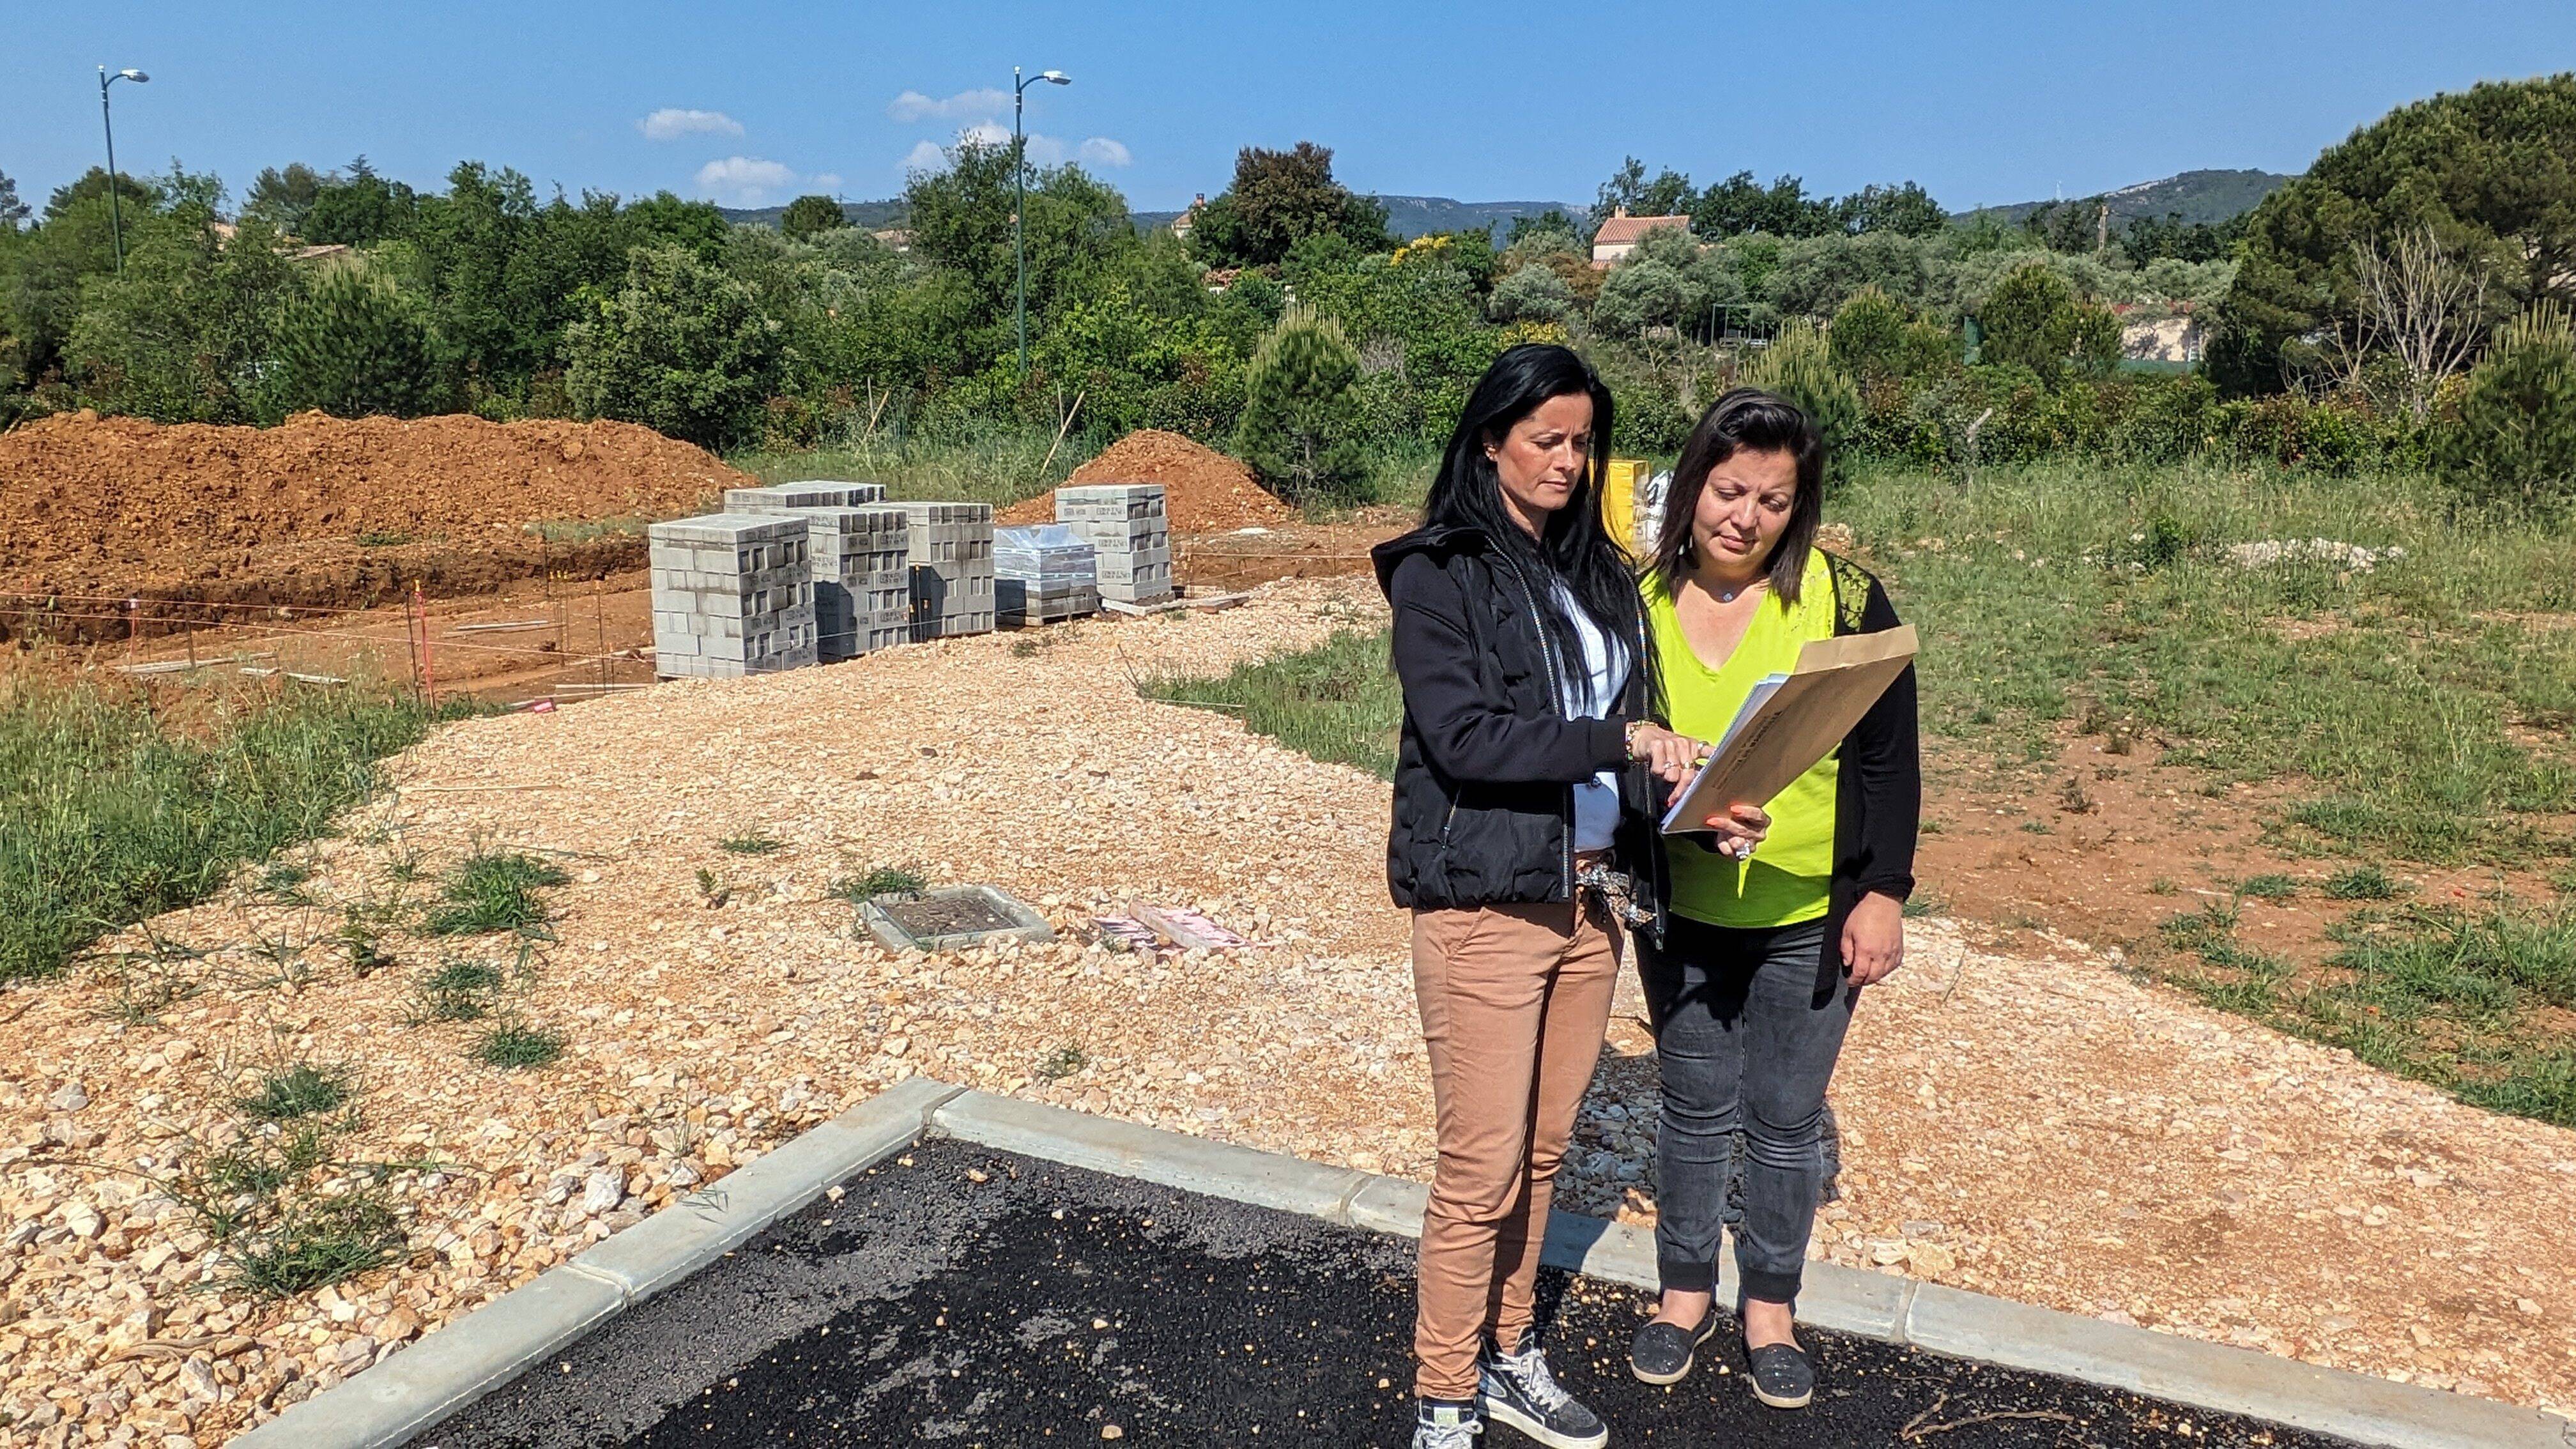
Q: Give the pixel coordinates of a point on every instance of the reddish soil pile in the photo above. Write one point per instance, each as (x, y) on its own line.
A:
(1204, 490)
(329, 511)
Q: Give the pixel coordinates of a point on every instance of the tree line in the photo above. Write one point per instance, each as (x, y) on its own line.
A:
(2348, 316)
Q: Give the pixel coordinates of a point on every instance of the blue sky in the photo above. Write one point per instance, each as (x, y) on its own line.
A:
(1988, 102)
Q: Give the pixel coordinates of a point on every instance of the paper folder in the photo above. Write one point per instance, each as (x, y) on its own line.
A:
(1791, 721)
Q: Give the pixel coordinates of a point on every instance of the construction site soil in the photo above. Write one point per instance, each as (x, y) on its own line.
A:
(320, 511)
(1204, 491)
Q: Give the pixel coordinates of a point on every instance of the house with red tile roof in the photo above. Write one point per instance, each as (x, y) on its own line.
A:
(1620, 234)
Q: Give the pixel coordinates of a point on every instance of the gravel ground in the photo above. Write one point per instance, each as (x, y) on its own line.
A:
(2043, 1127)
(969, 1296)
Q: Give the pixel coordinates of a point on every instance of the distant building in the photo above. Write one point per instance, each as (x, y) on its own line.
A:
(1620, 234)
(1181, 224)
(895, 237)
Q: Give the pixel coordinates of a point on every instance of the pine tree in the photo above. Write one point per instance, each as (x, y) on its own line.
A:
(2514, 445)
(1799, 366)
(354, 346)
(1300, 427)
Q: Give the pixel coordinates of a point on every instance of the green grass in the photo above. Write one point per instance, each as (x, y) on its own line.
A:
(1338, 701)
(320, 1241)
(2270, 887)
(751, 843)
(113, 811)
(1061, 1063)
(495, 891)
(2360, 883)
(2381, 697)
(514, 1046)
(302, 1090)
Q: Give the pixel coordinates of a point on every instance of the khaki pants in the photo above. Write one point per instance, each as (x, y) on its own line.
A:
(1515, 999)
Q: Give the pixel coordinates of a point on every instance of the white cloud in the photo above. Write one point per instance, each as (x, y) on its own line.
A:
(1101, 151)
(825, 181)
(924, 156)
(744, 180)
(914, 106)
(671, 123)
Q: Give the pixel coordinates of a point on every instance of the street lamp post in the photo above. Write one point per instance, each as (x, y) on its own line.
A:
(115, 208)
(1020, 202)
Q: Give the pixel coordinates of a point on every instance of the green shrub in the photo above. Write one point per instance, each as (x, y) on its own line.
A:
(1867, 338)
(2514, 445)
(681, 346)
(1300, 427)
(355, 346)
(1799, 366)
(514, 1046)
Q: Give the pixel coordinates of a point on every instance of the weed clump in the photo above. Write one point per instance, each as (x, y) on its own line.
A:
(514, 1045)
(495, 891)
(2360, 883)
(884, 881)
(1061, 1063)
(751, 843)
(302, 1090)
(457, 991)
(2274, 887)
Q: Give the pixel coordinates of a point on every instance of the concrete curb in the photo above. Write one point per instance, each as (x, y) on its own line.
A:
(412, 1391)
(415, 1389)
(1882, 1306)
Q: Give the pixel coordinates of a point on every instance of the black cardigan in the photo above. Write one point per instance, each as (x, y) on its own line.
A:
(1878, 796)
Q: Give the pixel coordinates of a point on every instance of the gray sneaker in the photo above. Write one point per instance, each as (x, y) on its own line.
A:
(1517, 1390)
(1445, 1426)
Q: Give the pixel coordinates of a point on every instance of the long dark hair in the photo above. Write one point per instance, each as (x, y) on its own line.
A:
(1572, 547)
(1746, 420)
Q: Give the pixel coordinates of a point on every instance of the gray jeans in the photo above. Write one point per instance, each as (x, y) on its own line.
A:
(1745, 1047)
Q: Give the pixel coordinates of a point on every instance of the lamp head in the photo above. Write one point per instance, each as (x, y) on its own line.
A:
(1057, 76)
(133, 75)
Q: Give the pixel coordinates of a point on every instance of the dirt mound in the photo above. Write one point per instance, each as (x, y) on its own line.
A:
(1205, 491)
(324, 510)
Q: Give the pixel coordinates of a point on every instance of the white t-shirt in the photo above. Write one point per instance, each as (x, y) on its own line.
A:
(1593, 693)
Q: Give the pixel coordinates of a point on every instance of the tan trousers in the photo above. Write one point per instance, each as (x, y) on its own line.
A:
(1515, 999)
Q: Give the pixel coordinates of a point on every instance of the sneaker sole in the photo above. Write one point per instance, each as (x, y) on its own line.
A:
(1707, 1326)
(1506, 1415)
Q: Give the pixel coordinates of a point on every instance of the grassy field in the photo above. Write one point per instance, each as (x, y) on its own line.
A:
(999, 466)
(2409, 703)
(112, 810)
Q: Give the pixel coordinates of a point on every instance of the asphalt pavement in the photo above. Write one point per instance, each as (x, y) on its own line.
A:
(963, 1297)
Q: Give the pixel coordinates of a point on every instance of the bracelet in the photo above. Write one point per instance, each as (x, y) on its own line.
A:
(1630, 735)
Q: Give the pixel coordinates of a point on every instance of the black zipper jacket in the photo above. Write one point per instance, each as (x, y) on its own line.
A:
(1485, 773)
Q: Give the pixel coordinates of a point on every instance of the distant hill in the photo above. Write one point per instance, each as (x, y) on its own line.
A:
(2210, 196)
(1406, 216)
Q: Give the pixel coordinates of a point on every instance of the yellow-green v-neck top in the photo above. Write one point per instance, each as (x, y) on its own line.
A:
(1790, 877)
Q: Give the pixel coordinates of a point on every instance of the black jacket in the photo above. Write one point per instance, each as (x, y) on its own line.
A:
(1485, 774)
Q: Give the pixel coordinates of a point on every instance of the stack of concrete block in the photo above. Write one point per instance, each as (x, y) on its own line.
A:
(733, 594)
(951, 552)
(1043, 573)
(1126, 527)
(862, 579)
(787, 497)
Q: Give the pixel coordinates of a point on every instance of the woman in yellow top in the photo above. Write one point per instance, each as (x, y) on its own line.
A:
(1764, 952)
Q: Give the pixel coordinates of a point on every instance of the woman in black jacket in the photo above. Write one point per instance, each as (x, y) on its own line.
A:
(1753, 983)
(1524, 793)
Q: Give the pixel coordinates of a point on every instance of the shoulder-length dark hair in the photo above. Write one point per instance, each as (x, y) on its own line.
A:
(1572, 547)
(1746, 420)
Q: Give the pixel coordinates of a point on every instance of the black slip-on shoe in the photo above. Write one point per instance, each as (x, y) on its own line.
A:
(1782, 1375)
(1517, 1390)
(1662, 1352)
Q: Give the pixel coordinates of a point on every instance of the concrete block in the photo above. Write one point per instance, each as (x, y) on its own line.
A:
(442, 1373)
(1389, 1205)
(1103, 1145)
(2217, 1377)
(703, 1226)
